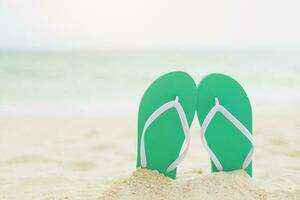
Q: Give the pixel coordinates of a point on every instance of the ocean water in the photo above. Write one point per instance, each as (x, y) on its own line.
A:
(110, 80)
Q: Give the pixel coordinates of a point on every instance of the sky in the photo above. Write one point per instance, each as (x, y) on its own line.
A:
(65, 24)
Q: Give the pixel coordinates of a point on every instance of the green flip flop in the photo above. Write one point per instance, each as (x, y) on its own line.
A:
(225, 115)
(165, 114)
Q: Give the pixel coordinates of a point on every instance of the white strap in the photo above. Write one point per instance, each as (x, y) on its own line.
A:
(234, 121)
(171, 104)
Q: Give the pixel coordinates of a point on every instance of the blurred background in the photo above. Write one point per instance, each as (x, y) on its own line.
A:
(76, 55)
(72, 74)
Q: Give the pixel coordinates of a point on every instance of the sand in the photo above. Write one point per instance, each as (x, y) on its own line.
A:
(145, 184)
(88, 156)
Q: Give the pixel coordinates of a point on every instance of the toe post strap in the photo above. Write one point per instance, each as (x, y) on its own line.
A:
(171, 104)
(219, 108)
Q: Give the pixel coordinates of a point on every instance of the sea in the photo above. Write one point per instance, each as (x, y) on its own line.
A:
(113, 81)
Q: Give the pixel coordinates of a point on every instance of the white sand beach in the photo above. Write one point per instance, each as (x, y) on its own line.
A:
(91, 157)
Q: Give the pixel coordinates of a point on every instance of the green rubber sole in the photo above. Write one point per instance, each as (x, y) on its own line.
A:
(164, 137)
(226, 141)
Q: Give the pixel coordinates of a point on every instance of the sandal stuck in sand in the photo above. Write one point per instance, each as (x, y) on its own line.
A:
(167, 110)
(225, 115)
(165, 114)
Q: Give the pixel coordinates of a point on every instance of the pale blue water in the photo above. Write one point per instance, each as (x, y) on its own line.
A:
(85, 76)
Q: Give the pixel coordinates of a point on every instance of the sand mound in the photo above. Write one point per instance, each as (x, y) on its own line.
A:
(150, 185)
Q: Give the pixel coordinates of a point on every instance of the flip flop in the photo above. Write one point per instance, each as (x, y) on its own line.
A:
(165, 114)
(225, 115)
